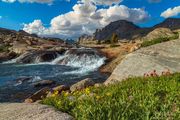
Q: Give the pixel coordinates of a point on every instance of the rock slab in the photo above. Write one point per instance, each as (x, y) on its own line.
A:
(158, 57)
(23, 111)
(82, 84)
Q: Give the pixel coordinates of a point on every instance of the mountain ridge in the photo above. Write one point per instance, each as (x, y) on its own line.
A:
(128, 31)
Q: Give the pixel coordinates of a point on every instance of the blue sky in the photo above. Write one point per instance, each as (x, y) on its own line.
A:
(52, 17)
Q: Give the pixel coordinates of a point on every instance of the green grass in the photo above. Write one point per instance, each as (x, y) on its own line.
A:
(152, 98)
(4, 48)
(159, 40)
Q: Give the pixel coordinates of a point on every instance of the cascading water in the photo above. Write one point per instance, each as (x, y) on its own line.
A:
(84, 59)
(65, 68)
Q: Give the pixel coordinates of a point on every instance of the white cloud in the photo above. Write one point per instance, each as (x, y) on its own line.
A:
(85, 18)
(35, 27)
(170, 12)
(30, 1)
(102, 2)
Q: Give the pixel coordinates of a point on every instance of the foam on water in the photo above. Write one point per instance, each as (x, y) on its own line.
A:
(84, 62)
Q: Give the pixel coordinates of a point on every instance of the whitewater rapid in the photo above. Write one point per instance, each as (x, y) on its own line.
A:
(85, 59)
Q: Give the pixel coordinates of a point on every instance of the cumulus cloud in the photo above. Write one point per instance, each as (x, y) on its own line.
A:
(30, 1)
(35, 27)
(85, 18)
(103, 2)
(170, 12)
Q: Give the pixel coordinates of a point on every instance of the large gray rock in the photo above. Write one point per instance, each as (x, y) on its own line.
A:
(23, 111)
(158, 57)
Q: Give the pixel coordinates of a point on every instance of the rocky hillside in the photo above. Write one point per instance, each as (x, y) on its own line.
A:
(14, 43)
(171, 23)
(150, 60)
(124, 30)
(128, 31)
(159, 33)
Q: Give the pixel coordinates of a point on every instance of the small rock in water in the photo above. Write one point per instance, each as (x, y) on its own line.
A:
(43, 83)
(39, 95)
(21, 80)
(82, 84)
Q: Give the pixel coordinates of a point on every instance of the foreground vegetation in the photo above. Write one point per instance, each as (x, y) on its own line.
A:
(145, 98)
(4, 48)
(159, 40)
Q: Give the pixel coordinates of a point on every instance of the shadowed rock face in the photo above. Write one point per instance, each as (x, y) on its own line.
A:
(122, 28)
(158, 57)
(171, 23)
(38, 56)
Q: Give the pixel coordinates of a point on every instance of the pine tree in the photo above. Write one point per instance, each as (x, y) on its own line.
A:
(114, 38)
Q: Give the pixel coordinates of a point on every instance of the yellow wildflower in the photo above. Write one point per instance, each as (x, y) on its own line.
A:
(98, 97)
(53, 95)
(56, 92)
(108, 94)
(87, 91)
(66, 94)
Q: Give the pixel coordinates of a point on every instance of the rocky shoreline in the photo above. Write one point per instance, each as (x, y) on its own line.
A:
(49, 91)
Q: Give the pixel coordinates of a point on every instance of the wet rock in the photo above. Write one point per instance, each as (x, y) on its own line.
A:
(21, 80)
(39, 95)
(4, 56)
(43, 83)
(82, 84)
(37, 56)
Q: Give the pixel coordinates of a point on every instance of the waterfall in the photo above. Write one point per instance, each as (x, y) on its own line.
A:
(83, 59)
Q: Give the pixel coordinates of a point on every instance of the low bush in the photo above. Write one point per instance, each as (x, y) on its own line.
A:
(141, 98)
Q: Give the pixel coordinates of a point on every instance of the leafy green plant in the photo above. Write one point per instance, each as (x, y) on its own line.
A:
(141, 98)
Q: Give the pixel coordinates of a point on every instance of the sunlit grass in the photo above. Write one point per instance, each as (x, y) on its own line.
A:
(155, 98)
